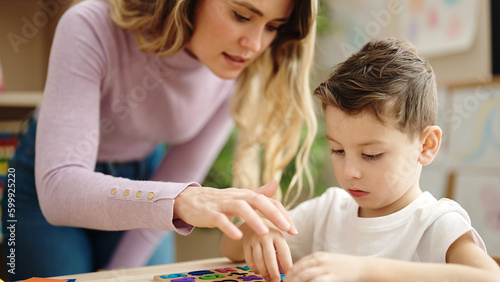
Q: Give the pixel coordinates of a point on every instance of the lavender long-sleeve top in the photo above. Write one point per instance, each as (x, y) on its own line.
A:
(105, 100)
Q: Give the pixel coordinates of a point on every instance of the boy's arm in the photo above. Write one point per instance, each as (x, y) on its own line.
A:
(466, 262)
(464, 251)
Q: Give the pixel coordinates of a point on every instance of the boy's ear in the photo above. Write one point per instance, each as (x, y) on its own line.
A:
(431, 141)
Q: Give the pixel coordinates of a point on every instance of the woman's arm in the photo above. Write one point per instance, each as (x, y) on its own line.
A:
(184, 162)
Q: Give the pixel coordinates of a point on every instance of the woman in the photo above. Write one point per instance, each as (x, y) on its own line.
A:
(128, 75)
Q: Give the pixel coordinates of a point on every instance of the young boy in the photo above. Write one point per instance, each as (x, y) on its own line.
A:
(380, 107)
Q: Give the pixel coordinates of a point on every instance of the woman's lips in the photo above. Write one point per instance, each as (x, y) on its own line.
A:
(357, 193)
(235, 61)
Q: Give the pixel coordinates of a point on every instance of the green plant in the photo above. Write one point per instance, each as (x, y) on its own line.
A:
(220, 174)
(323, 24)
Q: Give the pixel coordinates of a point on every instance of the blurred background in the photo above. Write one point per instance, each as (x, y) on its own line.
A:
(459, 37)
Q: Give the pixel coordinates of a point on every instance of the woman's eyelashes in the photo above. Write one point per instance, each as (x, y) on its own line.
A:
(241, 18)
(272, 28)
(337, 152)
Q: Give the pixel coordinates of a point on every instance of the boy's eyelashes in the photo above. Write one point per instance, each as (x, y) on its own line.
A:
(372, 157)
(365, 156)
(337, 152)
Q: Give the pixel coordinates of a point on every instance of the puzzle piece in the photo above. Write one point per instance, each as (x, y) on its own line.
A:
(228, 274)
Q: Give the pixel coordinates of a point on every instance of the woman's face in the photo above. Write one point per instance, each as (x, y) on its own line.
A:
(229, 34)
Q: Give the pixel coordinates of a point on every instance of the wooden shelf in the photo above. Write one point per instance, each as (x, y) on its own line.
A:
(16, 105)
(20, 98)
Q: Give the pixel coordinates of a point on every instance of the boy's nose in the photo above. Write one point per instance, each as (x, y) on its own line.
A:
(351, 169)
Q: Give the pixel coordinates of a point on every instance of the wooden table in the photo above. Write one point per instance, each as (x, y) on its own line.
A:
(148, 272)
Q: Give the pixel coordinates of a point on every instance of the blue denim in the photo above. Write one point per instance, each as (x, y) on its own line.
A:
(44, 250)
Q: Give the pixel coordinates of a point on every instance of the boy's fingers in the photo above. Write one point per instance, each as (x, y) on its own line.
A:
(247, 252)
(260, 266)
(271, 261)
(284, 255)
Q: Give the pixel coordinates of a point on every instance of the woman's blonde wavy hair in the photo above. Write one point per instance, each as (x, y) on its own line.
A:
(273, 99)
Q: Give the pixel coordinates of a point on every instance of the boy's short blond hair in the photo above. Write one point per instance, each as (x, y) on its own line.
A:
(388, 78)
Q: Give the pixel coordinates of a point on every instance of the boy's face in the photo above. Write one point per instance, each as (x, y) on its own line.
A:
(375, 163)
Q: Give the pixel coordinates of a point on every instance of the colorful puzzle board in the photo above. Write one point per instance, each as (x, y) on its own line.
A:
(228, 274)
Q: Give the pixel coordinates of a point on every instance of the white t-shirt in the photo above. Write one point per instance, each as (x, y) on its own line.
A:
(423, 231)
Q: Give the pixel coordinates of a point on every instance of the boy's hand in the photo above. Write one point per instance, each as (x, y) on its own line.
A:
(266, 255)
(324, 266)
